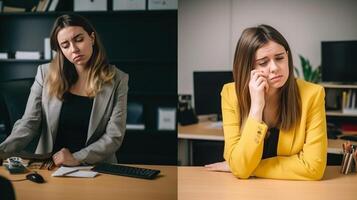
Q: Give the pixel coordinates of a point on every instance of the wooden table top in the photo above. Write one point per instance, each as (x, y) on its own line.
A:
(103, 186)
(196, 183)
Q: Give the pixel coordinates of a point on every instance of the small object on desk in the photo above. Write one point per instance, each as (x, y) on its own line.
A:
(217, 124)
(349, 158)
(35, 177)
(62, 171)
(73, 172)
(122, 170)
(15, 166)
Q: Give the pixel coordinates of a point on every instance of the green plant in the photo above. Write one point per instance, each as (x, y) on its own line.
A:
(309, 74)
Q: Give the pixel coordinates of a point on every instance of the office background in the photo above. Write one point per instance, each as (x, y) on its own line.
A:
(208, 32)
(142, 43)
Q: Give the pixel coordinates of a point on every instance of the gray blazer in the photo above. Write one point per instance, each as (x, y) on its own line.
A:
(106, 125)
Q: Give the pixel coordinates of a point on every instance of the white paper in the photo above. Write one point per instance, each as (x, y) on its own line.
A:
(83, 174)
(63, 170)
(74, 172)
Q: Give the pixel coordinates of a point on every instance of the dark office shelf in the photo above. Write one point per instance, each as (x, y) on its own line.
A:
(106, 13)
(11, 60)
(121, 61)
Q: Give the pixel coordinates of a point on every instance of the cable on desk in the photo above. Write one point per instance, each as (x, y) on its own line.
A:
(17, 180)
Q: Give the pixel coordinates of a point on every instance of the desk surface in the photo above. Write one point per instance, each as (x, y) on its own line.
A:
(103, 186)
(205, 131)
(199, 183)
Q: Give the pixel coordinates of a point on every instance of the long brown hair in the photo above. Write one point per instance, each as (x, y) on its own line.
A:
(250, 41)
(62, 73)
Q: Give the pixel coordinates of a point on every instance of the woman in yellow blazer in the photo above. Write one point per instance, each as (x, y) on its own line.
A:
(274, 125)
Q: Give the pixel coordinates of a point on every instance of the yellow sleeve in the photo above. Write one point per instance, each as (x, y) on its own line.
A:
(310, 162)
(243, 148)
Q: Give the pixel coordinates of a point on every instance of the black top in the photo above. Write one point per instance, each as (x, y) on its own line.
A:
(73, 123)
(271, 144)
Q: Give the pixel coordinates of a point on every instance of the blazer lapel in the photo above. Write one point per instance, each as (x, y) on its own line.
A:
(99, 106)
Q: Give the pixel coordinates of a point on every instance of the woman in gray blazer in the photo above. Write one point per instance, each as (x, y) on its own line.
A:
(77, 102)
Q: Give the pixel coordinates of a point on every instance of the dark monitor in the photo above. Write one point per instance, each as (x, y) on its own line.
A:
(338, 61)
(207, 90)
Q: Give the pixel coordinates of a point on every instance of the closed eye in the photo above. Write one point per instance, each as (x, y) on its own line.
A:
(279, 58)
(263, 64)
(79, 39)
(65, 45)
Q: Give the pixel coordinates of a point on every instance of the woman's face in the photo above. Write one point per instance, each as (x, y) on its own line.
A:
(272, 60)
(76, 45)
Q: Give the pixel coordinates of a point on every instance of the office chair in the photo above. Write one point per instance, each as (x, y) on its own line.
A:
(7, 191)
(13, 99)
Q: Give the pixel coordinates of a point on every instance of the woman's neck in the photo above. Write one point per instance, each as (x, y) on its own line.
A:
(80, 87)
(271, 109)
(273, 97)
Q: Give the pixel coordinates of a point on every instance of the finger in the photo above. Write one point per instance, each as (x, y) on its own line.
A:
(262, 85)
(55, 156)
(57, 162)
(260, 81)
(253, 72)
(212, 169)
(209, 165)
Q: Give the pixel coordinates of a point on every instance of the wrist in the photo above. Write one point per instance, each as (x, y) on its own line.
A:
(256, 114)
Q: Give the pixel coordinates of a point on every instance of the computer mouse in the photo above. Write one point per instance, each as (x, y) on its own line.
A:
(35, 177)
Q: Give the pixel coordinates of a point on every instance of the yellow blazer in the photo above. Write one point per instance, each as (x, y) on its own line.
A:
(302, 151)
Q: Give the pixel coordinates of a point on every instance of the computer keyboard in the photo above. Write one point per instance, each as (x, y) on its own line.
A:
(123, 170)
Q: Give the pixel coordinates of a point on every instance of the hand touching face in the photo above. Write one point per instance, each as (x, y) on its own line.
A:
(258, 87)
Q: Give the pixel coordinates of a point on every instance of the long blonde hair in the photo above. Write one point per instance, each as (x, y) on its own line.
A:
(62, 73)
(251, 40)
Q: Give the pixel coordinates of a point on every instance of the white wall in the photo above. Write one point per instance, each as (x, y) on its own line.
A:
(203, 38)
(208, 30)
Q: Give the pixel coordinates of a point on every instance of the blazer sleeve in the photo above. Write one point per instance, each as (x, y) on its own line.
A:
(26, 128)
(111, 140)
(310, 162)
(243, 145)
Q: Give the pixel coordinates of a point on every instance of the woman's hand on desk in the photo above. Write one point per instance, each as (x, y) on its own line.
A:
(218, 167)
(65, 157)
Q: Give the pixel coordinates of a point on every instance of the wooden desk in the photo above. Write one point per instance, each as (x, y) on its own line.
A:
(200, 131)
(199, 183)
(103, 186)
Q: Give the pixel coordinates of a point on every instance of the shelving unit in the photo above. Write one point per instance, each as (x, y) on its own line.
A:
(334, 99)
(140, 43)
